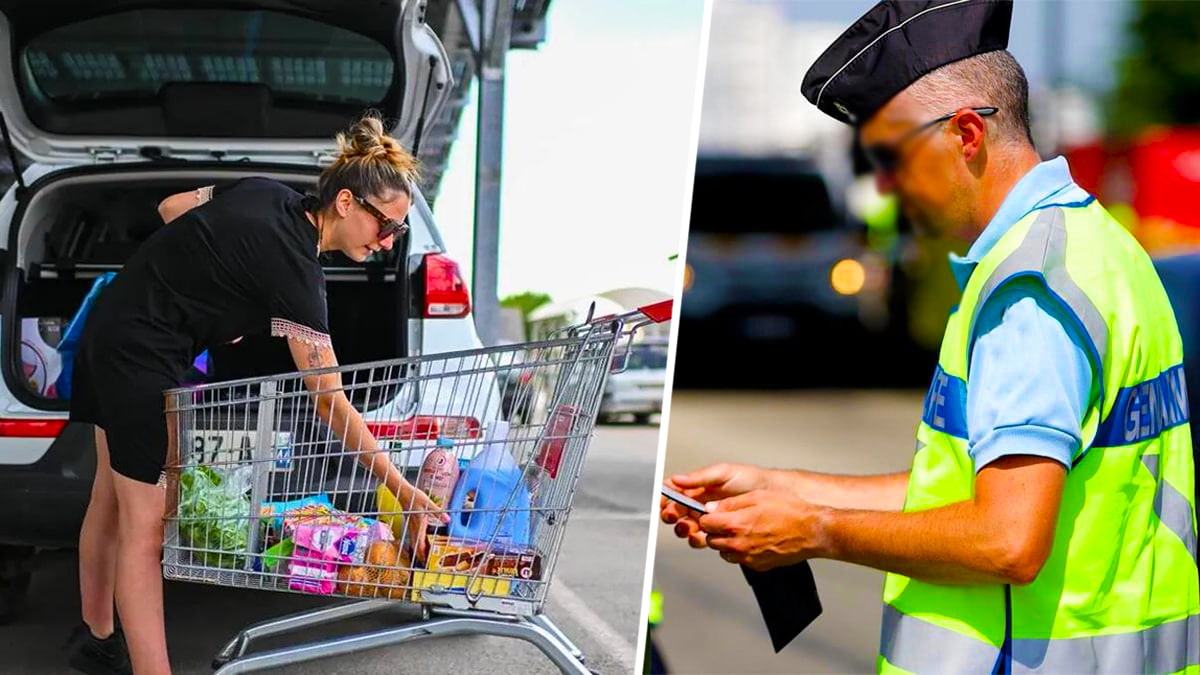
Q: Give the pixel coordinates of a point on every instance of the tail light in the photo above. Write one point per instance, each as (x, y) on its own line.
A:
(446, 294)
(426, 428)
(31, 428)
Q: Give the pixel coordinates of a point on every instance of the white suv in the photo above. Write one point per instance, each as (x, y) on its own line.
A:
(111, 112)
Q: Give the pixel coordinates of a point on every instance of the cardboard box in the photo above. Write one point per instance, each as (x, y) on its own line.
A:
(452, 563)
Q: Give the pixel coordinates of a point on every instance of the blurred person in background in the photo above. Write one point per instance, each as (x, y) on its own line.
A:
(1048, 521)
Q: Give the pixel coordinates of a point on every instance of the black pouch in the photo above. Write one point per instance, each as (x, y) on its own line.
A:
(787, 598)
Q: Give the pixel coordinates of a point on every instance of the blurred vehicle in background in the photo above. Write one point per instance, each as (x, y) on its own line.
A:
(775, 273)
(1180, 275)
(638, 390)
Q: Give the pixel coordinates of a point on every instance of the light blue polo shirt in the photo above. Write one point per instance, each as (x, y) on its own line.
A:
(1030, 374)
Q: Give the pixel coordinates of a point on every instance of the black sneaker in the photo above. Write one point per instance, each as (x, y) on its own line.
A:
(89, 654)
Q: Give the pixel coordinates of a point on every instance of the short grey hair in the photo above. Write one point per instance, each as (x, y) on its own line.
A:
(988, 79)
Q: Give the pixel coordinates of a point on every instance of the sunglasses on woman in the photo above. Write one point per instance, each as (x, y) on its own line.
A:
(885, 157)
(387, 226)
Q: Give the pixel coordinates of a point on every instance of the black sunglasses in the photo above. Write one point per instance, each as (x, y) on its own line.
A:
(387, 226)
(885, 157)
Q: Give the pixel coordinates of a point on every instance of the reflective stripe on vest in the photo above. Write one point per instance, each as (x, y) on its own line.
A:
(1173, 509)
(1044, 249)
(921, 647)
(1165, 648)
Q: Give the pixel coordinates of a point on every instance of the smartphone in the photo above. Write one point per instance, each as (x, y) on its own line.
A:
(680, 498)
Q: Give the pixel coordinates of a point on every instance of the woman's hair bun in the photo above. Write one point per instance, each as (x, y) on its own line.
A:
(369, 162)
(367, 140)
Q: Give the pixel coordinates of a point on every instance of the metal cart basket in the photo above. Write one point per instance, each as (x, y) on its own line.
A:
(264, 494)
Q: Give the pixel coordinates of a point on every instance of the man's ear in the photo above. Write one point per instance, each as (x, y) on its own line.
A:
(971, 130)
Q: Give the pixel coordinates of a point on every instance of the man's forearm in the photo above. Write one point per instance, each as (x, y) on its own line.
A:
(868, 493)
(952, 544)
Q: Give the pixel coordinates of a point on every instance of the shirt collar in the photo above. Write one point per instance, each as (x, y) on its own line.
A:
(1047, 184)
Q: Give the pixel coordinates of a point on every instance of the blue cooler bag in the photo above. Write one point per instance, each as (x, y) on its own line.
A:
(70, 337)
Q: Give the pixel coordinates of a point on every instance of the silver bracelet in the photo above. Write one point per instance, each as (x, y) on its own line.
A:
(203, 194)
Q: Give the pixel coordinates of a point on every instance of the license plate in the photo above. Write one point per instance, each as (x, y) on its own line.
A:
(239, 447)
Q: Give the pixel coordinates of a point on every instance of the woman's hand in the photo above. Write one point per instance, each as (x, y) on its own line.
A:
(418, 509)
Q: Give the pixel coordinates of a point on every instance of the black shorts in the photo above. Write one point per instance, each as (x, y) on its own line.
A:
(127, 403)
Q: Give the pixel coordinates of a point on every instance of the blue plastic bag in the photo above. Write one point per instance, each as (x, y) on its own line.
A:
(70, 337)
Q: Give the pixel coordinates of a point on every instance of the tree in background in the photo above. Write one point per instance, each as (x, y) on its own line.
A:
(1158, 77)
(525, 302)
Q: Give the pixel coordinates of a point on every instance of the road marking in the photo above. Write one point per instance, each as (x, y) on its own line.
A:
(607, 637)
(623, 516)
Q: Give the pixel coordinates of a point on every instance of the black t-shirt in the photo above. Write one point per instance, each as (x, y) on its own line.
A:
(245, 262)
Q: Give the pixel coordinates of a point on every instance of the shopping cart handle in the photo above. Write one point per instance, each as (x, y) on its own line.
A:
(659, 311)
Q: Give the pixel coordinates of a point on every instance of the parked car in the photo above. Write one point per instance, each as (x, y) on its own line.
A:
(775, 268)
(638, 390)
(113, 109)
(1180, 275)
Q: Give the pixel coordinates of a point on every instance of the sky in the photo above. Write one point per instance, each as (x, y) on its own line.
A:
(1088, 37)
(597, 151)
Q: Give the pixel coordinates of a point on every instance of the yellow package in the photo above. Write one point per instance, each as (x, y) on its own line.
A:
(390, 512)
(450, 566)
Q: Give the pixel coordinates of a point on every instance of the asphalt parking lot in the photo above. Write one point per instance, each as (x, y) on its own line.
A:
(595, 595)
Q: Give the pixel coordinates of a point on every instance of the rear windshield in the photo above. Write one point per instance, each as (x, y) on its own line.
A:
(648, 357)
(266, 58)
(768, 202)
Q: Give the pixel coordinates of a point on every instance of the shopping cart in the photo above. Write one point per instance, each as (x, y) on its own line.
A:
(263, 496)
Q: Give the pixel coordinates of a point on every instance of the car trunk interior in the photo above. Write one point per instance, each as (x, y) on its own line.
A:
(77, 228)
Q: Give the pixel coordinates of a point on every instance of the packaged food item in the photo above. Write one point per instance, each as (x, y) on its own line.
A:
(314, 563)
(213, 508)
(321, 539)
(451, 563)
(555, 437)
(360, 535)
(273, 555)
(439, 474)
(311, 572)
(384, 573)
(275, 511)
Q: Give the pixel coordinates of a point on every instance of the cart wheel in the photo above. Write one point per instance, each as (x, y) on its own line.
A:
(642, 418)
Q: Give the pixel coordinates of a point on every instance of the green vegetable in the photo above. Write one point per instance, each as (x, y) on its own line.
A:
(213, 518)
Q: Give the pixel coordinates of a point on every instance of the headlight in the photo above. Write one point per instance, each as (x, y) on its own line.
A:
(847, 277)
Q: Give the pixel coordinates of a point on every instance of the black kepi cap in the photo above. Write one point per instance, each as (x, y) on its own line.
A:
(894, 44)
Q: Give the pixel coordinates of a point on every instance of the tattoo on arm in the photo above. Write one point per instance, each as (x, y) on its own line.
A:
(314, 356)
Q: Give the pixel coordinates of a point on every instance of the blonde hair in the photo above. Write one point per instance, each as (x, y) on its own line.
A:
(370, 164)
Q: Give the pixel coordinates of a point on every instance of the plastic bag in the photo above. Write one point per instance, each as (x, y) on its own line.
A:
(213, 514)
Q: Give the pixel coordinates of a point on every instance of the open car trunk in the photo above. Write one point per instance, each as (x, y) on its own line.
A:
(270, 80)
(83, 223)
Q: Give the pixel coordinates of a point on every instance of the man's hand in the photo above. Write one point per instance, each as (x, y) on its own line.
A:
(765, 529)
(717, 481)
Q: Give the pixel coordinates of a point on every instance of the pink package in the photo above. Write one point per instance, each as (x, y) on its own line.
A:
(314, 564)
(352, 547)
(319, 538)
(311, 572)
